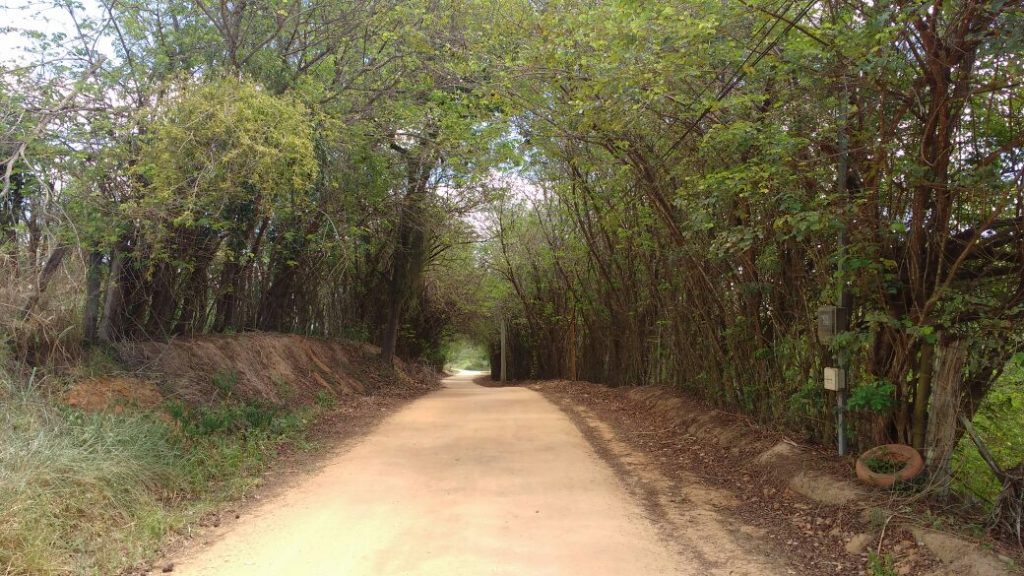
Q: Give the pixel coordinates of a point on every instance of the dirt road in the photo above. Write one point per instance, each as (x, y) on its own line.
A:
(466, 481)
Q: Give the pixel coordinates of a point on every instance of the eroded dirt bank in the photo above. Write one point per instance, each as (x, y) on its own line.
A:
(338, 388)
(285, 369)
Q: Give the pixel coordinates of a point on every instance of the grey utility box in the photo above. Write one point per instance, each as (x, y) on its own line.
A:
(830, 322)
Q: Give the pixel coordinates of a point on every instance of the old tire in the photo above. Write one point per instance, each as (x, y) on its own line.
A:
(913, 465)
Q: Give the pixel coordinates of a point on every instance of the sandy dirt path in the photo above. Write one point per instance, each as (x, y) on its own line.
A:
(465, 481)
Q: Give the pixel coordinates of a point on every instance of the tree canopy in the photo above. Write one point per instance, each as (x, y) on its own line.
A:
(647, 192)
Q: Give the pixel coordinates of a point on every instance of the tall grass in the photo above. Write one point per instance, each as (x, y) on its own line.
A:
(94, 494)
(81, 493)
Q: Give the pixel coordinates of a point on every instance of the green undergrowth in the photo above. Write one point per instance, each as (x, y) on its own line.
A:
(1000, 423)
(95, 493)
(881, 565)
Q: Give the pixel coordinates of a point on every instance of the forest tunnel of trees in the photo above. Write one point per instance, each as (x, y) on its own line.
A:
(643, 192)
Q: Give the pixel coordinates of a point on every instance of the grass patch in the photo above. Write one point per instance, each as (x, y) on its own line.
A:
(93, 494)
(884, 466)
(881, 565)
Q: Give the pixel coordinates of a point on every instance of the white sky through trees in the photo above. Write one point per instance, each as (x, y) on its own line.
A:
(21, 23)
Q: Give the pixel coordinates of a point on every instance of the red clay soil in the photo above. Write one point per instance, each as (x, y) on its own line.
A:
(113, 393)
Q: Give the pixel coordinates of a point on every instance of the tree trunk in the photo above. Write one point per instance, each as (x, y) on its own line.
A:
(1008, 512)
(11, 210)
(276, 301)
(946, 404)
(923, 393)
(114, 301)
(49, 269)
(233, 272)
(405, 273)
(195, 286)
(126, 300)
(163, 304)
(93, 287)
(227, 302)
(410, 251)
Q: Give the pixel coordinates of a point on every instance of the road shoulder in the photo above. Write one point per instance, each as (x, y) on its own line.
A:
(738, 505)
(331, 437)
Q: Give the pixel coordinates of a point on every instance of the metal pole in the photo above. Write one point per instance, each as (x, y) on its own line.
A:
(844, 365)
(845, 297)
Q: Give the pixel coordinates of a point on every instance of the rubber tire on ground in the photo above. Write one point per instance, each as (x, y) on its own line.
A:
(913, 465)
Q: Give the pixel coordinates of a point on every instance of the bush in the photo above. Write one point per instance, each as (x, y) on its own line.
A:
(248, 418)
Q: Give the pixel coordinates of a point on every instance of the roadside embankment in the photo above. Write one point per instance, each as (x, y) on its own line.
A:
(103, 465)
(673, 451)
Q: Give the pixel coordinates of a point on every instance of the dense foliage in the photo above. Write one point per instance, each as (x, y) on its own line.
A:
(708, 175)
(277, 166)
(648, 192)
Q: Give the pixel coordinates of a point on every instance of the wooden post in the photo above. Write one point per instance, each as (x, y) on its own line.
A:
(572, 350)
(504, 350)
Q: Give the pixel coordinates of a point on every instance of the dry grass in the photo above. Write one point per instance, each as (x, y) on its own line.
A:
(49, 333)
(81, 493)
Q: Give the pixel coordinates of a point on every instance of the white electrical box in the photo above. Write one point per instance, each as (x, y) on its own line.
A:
(835, 379)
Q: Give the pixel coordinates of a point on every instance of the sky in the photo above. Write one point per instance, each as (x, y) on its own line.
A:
(19, 16)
